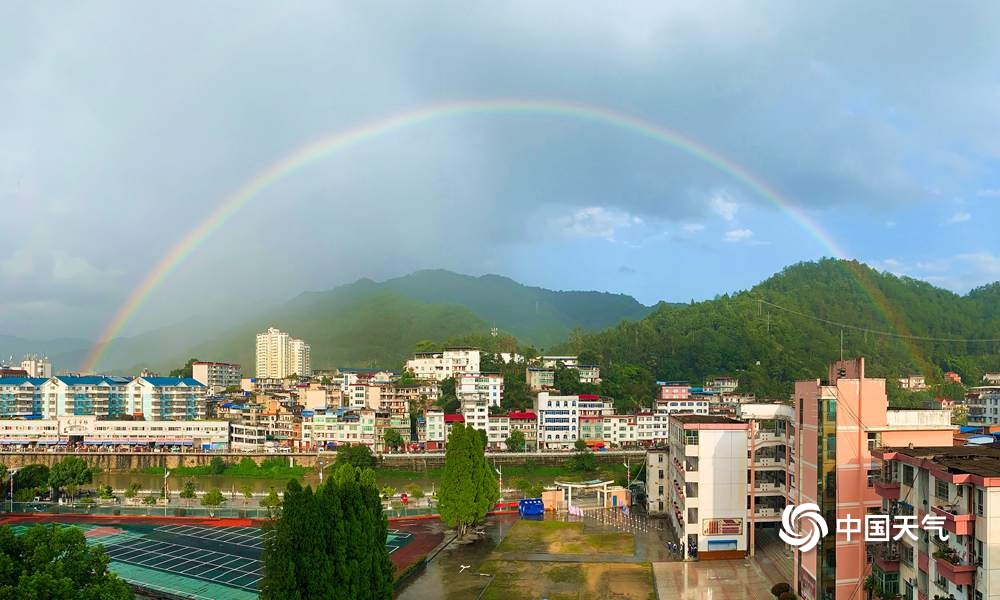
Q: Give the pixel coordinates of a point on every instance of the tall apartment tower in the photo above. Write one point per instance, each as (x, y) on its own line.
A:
(37, 366)
(279, 355)
(836, 427)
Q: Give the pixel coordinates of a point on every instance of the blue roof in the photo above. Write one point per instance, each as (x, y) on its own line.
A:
(88, 380)
(173, 381)
(22, 380)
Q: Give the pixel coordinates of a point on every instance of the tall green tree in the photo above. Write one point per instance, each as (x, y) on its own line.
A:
(70, 472)
(186, 371)
(329, 544)
(469, 487)
(515, 442)
(358, 455)
(54, 562)
(393, 439)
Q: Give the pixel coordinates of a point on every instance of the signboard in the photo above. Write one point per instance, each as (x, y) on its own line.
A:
(722, 526)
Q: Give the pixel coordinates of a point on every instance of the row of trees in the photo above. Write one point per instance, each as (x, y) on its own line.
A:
(329, 543)
(67, 475)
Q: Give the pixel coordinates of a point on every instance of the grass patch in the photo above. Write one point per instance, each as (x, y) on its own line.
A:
(273, 468)
(560, 537)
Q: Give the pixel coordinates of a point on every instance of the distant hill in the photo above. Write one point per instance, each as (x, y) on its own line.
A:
(769, 347)
(368, 323)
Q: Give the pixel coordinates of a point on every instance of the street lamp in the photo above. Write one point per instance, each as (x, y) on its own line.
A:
(321, 467)
(166, 498)
(11, 472)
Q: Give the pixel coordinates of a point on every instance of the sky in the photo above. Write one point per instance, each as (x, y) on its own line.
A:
(122, 125)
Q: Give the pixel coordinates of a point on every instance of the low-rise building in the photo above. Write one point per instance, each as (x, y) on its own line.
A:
(539, 379)
(983, 404)
(699, 406)
(589, 374)
(488, 386)
(37, 366)
(558, 421)
(216, 376)
(527, 423)
(163, 398)
(498, 431)
(91, 431)
(913, 383)
(674, 390)
(450, 362)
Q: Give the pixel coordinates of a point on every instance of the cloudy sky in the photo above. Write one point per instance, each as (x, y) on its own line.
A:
(122, 125)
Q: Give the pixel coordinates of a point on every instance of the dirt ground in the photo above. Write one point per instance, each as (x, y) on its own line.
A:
(516, 580)
(558, 537)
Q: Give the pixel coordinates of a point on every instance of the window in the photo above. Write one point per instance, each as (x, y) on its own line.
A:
(831, 446)
(908, 475)
(941, 489)
(871, 478)
(831, 410)
(980, 501)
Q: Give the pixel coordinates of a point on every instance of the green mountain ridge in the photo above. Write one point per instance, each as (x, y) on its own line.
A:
(770, 347)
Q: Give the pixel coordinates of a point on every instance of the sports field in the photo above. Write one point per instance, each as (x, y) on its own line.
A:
(199, 561)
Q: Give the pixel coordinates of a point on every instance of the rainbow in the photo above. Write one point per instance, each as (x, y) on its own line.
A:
(345, 139)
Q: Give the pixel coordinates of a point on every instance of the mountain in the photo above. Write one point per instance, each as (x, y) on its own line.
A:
(61, 351)
(368, 323)
(789, 327)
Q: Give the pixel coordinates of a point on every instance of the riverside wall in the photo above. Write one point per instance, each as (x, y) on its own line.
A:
(137, 461)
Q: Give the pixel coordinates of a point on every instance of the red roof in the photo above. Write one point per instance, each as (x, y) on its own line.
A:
(591, 417)
(525, 415)
(453, 418)
(589, 397)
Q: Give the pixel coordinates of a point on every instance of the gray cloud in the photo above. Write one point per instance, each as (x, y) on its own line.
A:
(123, 125)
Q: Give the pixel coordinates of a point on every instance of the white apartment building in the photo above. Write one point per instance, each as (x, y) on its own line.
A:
(652, 427)
(913, 383)
(37, 366)
(593, 405)
(706, 452)
(589, 374)
(497, 432)
(331, 429)
(960, 486)
(488, 386)
(216, 376)
(558, 421)
(434, 433)
(80, 396)
(697, 407)
(476, 411)
(89, 430)
(299, 358)
(279, 355)
(439, 366)
(165, 398)
(551, 362)
(984, 405)
(722, 385)
(539, 379)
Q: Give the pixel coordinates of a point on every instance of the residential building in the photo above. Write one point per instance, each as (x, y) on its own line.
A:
(527, 423)
(279, 355)
(722, 385)
(835, 429)
(952, 377)
(558, 421)
(497, 432)
(539, 379)
(959, 486)
(66, 395)
(434, 431)
(450, 419)
(37, 366)
(701, 482)
(592, 404)
(21, 396)
(299, 358)
(165, 398)
(991, 378)
(983, 403)
(488, 386)
(589, 374)
(693, 406)
(217, 376)
(439, 366)
(551, 362)
(476, 411)
(913, 383)
(674, 390)
(92, 431)
(652, 427)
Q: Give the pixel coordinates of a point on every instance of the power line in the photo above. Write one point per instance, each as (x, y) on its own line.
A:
(867, 330)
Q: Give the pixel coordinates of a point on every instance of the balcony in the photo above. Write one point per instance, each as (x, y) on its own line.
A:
(769, 462)
(767, 489)
(887, 557)
(887, 489)
(954, 522)
(957, 572)
(766, 513)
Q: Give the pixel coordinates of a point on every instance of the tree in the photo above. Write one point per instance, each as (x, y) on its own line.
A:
(469, 486)
(272, 503)
(407, 379)
(54, 562)
(388, 492)
(247, 490)
(393, 439)
(515, 442)
(31, 479)
(149, 500)
(359, 456)
(70, 472)
(105, 492)
(132, 490)
(186, 371)
(188, 492)
(329, 544)
(583, 458)
(217, 466)
(213, 499)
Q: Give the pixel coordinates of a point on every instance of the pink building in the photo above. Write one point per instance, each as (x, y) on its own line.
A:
(836, 427)
(675, 390)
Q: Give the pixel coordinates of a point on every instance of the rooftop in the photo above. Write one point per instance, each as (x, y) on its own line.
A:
(706, 419)
(975, 460)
